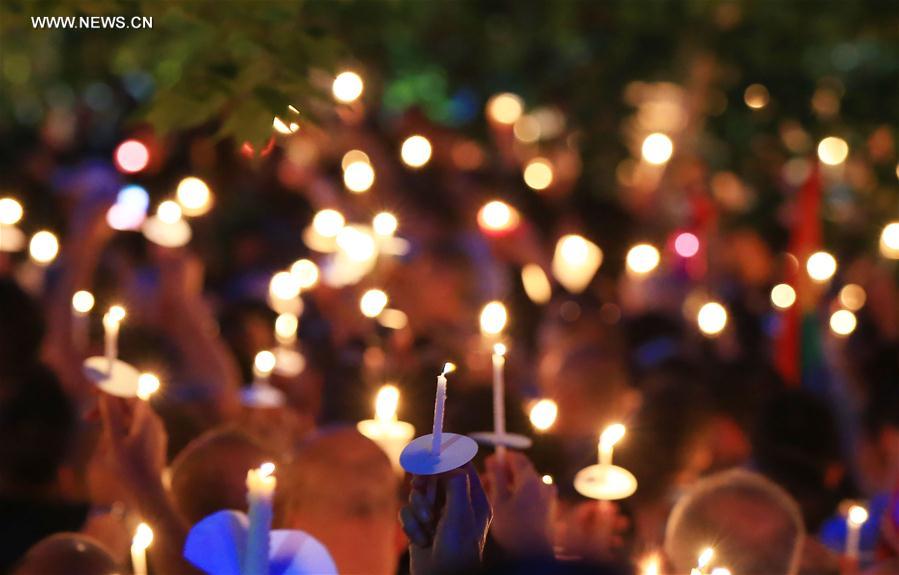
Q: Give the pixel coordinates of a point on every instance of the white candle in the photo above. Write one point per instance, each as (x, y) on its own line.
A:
(499, 397)
(143, 537)
(439, 405)
(855, 518)
(111, 321)
(260, 495)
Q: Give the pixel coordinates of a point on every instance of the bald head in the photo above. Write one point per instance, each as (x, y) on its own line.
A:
(754, 526)
(343, 473)
(68, 553)
(209, 474)
(342, 489)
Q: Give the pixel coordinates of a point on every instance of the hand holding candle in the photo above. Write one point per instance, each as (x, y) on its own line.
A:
(438, 451)
(109, 373)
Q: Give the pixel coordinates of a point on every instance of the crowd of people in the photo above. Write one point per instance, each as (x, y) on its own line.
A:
(727, 454)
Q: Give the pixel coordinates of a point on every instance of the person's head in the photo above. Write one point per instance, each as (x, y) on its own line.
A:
(21, 327)
(209, 475)
(342, 490)
(590, 386)
(667, 443)
(878, 451)
(796, 443)
(753, 525)
(37, 425)
(68, 553)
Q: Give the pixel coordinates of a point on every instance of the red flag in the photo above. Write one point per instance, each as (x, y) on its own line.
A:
(805, 239)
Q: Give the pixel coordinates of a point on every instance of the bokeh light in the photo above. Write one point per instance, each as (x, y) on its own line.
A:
(575, 261)
(264, 362)
(657, 148)
(353, 156)
(328, 223)
(527, 129)
(358, 177)
(783, 296)
(538, 174)
(756, 96)
(833, 151)
(283, 286)
(286, 326)
(889, 241)
(83, 301)
(11, 211)
(497, 216)
(821, 266)
(543, 414)
(642, 259)
(169, 211)
(385, 224)
(686, 245)
(356, 244)
(43, 247)
(373, 302)
(194, 196)
(415, 151)
(387, 401)
(493, 318)
(853, 297)
(132, 156)
(347, 87)
(843, 322)
(505, 108)
(147, 385)
(536, 284)
(712, 318)
(305, 273)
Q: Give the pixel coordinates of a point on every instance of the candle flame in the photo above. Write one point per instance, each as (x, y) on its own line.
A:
(651, 565)
(143, 537)
(116, 313)
(705, 557)
(266, 469)
(448, 367)
(543, 414)
(386, 402)
(499, 349)
(611, 435)
(147, 385)
(857, 515)
(493, 318)
(264, 362)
